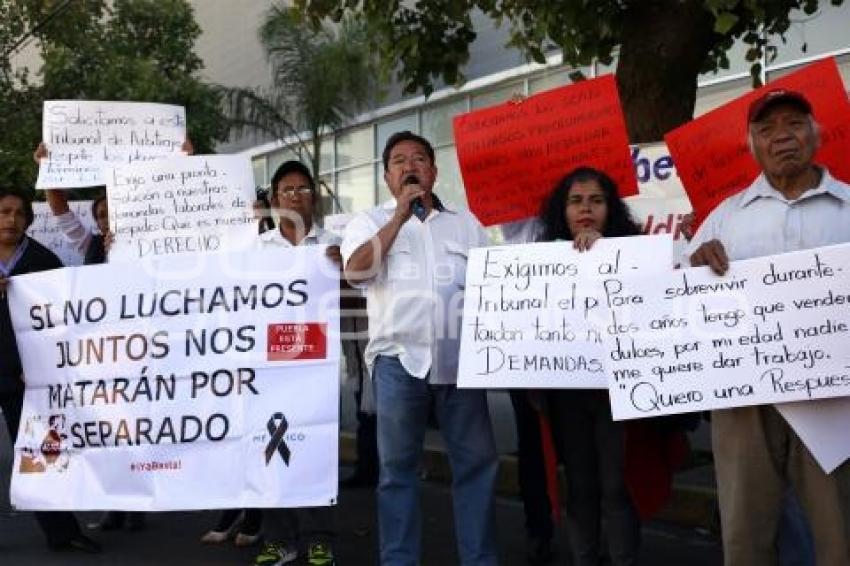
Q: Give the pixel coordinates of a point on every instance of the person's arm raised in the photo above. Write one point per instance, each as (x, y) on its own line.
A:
(367, 260)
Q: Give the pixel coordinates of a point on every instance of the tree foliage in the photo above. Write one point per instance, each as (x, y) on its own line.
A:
(428, 40)
(321, 77)
(134, 50)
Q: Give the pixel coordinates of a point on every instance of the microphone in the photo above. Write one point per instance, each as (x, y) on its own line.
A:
(417, 207)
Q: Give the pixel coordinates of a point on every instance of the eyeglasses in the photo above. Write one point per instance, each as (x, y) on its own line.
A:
(292, 192)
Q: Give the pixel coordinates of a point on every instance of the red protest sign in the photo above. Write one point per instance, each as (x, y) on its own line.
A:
(511, 155)
(711, 153)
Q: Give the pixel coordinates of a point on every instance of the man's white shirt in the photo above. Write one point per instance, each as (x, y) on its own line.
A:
(415, 301)
(759, 221)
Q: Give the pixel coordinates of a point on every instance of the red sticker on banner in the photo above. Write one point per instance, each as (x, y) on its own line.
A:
(711, 153)
(297, 341)
(513, 154)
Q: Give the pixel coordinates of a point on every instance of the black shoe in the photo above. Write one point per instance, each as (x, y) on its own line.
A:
(358, 481)
(540, 551)
(78, 543)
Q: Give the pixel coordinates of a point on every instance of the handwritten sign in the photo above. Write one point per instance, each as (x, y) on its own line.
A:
(711, 152)
(45, 230)
(86, 137)
(772, 330)
(138, 385)
(184, 204)
(534, 314)
(512, 155)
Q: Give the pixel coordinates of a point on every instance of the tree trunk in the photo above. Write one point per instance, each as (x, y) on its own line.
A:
(664, 45)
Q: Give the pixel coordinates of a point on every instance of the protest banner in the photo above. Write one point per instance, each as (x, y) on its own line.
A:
(47, 233)
(533, 313)
(201, 203)
(85, 137)
(711, 152)
(511, 155)
(772, 330)
(146, 393)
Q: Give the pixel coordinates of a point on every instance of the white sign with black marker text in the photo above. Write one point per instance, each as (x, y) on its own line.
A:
(201, 203)
(86, 137)
(215, 390)
(772, 330)
(534, 314)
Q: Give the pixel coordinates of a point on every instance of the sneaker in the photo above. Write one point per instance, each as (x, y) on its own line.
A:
(319, 554)
(274, 554)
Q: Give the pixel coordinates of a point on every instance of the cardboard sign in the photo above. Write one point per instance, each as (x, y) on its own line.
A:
(533, 314)
(513, 154)
(181, 205)
(155, 393)
(711, 152)
(86, 137)
(772, 330)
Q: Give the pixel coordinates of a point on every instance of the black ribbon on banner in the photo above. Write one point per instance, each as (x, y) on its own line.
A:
(277, 426)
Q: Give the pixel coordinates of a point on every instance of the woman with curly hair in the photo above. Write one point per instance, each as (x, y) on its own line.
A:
(584, 207)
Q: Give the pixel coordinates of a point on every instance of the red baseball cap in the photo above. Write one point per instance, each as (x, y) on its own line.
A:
(773, 97)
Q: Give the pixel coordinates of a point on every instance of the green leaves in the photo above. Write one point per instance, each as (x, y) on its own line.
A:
(140, 50)
(428, 40)
(724, 22)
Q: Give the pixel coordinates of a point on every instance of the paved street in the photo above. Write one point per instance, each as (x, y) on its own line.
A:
(172, 538)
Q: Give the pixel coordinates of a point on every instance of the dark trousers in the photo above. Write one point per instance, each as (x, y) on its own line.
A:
(593, 451)
(367, 444)
(58, 526)
(531, 468)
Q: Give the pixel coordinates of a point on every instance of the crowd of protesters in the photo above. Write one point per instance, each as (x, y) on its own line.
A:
(408, 370)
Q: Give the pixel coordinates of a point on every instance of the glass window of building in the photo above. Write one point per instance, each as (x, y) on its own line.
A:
(437, 121)
(356, 188)
(449, 184)
(261, 177)
(386, 128)
(354, 147)
(383, 192)
(326, 153)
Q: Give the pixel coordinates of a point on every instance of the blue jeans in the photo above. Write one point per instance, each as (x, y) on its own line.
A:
(402, 406)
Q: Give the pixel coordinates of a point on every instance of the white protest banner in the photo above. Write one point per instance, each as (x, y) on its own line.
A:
(85, 137)
(533, 314)
(184, 204)
(46, 232)
(772, 330)
(218, 390)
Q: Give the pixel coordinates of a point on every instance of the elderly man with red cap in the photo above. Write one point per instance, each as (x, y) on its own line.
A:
(794, 204)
